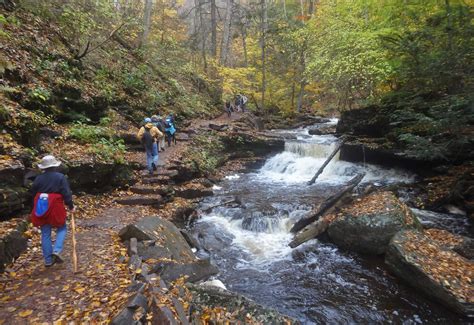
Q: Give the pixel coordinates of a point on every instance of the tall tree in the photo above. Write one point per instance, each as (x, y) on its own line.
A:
(227, 33)
(146, 22)
(213, 28)
(263, 44)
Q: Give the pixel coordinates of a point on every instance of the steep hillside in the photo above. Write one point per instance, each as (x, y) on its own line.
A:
(79, 109)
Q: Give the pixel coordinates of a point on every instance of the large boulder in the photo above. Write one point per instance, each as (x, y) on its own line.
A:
(12, 243)
(368, 225)
(428, 265)
(239, 308)
(462, 245)
(12, 200)
(194, 272)
(168, 241)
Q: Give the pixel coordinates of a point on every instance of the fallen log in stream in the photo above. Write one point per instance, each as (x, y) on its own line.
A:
(321, 169)
(326, 205)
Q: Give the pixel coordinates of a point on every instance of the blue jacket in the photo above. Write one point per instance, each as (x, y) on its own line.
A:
(53, 182)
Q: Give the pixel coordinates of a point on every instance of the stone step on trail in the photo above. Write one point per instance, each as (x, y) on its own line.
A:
(157, 180)
(143, 189)
(140, 200)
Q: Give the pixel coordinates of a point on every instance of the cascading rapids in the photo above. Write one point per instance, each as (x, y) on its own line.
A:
(302, 159)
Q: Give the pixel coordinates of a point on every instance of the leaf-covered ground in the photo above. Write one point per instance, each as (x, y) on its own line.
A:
(31, 293)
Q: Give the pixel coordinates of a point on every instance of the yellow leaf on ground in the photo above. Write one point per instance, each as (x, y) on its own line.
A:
(25, 313)
(79, 290)
(11, 309)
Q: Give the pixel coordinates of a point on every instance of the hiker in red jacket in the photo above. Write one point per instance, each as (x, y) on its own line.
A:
(52, 192)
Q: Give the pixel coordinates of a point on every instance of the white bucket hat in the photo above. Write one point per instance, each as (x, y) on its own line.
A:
(49, 161)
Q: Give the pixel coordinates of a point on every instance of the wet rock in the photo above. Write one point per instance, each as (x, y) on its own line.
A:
(256, 144)
(133, 249)
(433, 269)
(161, 190)
(194, 272)
(12, 200)
(182, 315)
(182, 137)
(374, 151)
(11, 170)
(97, 177)
(323, 129)
(462, 245)
(190, 239)
(160, 179)
(162, 315)
(12, 245)
(134, 312)
(368, 225)
(218, 127)
(192, 192)
(165, 234)
(130, 139)
(141, 200)
(184, 214)
(237, 305)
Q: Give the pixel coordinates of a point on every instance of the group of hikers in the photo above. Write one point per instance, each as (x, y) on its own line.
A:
(52, 193)
(152, 135)
(238, 105)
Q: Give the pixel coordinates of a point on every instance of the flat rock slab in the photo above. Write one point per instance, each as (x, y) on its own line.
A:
(142, 189)
(194, 272)
(12, 245)
(156, 180)
(368, 225)
(239, 306)
(432, 268)
(168, 241)
(140, 200)
(193, 192)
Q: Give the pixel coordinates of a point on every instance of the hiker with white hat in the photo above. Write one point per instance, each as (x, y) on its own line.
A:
(52, 193)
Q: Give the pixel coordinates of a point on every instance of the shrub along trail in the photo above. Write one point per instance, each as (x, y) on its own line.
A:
(31, 293)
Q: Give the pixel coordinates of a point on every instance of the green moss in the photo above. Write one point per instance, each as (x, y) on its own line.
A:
(205, 155)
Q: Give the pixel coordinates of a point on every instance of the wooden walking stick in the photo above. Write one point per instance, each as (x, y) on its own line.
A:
(74, 254)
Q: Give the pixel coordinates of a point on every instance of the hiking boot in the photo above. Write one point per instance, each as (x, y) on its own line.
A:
(57, 258)
(154, 166)
(48, 264)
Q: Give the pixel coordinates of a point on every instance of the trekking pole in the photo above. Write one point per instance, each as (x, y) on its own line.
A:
(74, 254)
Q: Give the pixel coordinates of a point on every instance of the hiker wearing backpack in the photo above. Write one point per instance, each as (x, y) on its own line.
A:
(51, 193)
(149, 136)
(160, 125)
(170, 129)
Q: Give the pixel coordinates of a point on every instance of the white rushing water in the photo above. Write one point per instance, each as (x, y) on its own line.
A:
(316, 282)
(302, 159)
(265, 238)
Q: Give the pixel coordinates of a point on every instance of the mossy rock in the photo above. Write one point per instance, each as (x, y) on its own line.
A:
(368, 225)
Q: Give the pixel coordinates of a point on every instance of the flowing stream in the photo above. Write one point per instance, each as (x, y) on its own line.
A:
(317, 282)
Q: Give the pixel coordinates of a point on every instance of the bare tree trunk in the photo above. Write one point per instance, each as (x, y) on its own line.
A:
(264, 34)
(146, 22)
(284, 9)
(244, 44)
(311, 7)
(302, 80)
(449, 24)
(227, 32)
(202, 29)
(213, 28)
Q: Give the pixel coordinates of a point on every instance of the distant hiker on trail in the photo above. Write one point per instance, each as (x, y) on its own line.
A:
(170, 129)
(149, 136)
(160, 125)
(51, 190)
(243, 102)
(238, 103)
(228, 108)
